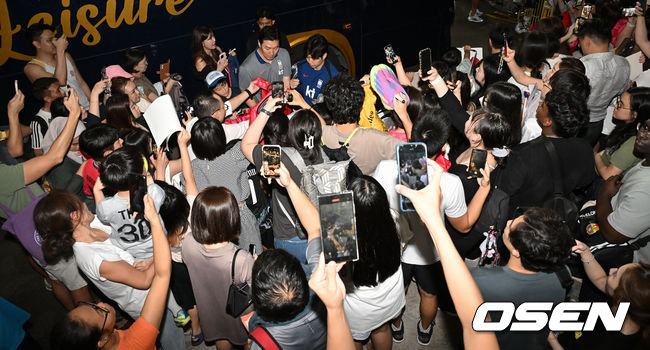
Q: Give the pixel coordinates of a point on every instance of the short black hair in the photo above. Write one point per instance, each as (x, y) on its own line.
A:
(596, 30)
(139, 139)
(276, 129)
(265, 12)
(205, 104)
(571, 81)
(432, 129)
(74, 334)
(215, 216)
(544, 242)
(98, 139)
(270, 33)
(58, 108)
(496, 36)
(279, 286)
(41, 87)
(533, 52)
(316, 46)
(321, 108)
(452, 57)
(208, 138)
(344, 98)
(568, 111)
(174, 211)
(505, 99)
(130, 58)
(33, 32)
(118, 84)
(495, 128)
(121, 168)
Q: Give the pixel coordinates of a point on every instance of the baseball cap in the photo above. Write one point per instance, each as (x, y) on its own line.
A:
(117, 71)
(213, 78)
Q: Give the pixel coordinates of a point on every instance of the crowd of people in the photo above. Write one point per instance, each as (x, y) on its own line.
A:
(140, 240)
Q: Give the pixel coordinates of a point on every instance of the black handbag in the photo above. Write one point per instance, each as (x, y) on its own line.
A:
(238, 294)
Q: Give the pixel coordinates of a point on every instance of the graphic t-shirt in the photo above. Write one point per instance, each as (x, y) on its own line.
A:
(312, 81)
(129, 232)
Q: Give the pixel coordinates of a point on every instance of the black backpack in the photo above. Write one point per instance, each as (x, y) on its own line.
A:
(560, 203)
(341, 154)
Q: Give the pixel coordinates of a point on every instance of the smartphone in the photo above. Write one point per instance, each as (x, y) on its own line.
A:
(277, 89)
(390, 53)
(585, 11)
(628, 12)
(294, 71)
(477, 162)
(222, 55)
(107, 89)
(58, 31)
(66, 90)
(271, 157)
(338, 228)
(136, 197)
(231, 51)
(251, 249)
(412, 165)
(425, 61)
(16, 85)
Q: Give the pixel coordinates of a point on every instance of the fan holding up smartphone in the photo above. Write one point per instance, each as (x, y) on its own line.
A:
(477, 162)
(338, 224)
(412, 165)
(425, 61)
(271, 158)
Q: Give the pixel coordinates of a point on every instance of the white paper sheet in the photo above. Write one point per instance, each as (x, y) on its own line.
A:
(162, 119)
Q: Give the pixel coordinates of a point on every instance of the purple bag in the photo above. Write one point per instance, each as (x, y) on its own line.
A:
(21, 224)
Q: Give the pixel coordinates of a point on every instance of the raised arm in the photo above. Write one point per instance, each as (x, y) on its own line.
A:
(299, 101)
(254, 132)
(307, 213)
(400, 72)
(188, 173)
(98, 88)
(156, 301)
(244, 96)
(464, 291)
(517, 72)
(327, 284)
(465, 222)
(402, 114)
(594, 271)
(15, 140)
(36, 167)
(640, 31)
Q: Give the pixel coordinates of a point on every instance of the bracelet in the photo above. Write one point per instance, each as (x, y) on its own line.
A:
(263, 110)
(250, 94)
(588, 261)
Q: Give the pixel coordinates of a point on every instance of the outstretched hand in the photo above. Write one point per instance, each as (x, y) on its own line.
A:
(427, 200)
(327, 284)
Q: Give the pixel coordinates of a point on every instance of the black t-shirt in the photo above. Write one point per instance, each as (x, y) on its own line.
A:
(599, 339)
(528, 178)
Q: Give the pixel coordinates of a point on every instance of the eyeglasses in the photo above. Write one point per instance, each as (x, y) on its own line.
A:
(619, 103)
(642, 129)
(97, 307)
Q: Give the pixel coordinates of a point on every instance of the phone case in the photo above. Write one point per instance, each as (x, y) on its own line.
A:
(384, 81)
(403, 201)
(354, 256)
(262, 172)
(427, 55)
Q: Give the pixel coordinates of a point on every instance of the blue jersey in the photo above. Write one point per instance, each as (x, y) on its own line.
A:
(312, 81)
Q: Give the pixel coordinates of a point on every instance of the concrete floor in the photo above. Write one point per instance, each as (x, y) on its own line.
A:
(24, 287)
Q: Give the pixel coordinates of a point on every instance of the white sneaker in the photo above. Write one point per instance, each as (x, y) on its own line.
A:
(478, 13)
(475, 19)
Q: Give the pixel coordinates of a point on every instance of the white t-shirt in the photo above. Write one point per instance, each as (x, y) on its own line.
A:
(90, 256)
(420, 249)
(630, 205)
(369, 307)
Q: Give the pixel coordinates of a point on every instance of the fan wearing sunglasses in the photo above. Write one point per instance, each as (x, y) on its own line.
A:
(92, 326)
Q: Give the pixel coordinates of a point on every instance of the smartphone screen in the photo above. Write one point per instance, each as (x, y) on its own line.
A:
(628, 12)
(294, 71)
(585, 11)
(136, 197)
(477, 162)
(390, 53)
(251, 249)
(412, 164)
(338, 229)
(16, 85)
(271, 157)
(425, 61)
(277, 89)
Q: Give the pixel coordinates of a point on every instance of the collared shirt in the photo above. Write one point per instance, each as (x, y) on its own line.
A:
(608, 76)
(256, 67)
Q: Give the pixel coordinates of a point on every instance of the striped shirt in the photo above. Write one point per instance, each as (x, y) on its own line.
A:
(35, 125)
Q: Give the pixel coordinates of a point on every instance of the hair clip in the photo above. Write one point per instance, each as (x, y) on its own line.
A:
(309, 142)
(500, 152)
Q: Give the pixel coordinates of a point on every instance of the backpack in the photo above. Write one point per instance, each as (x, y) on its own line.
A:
(341, 154)
(21, 224)
(561, 204)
